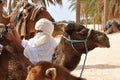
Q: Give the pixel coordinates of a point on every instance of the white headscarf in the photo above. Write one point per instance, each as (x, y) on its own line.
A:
(45, 25)
(42, 37)
(42, 46)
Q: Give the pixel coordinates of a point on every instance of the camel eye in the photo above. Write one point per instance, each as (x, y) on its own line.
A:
(34, 71)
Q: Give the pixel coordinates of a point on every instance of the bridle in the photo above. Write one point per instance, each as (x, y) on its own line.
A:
(82, 41)
(76, 41)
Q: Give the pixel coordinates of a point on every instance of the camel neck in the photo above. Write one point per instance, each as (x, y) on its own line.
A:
(1, 9)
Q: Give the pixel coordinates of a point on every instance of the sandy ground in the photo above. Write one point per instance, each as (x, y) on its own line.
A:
(102, 63)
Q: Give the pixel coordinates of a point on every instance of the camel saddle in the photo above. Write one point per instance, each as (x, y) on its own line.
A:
(26, 12)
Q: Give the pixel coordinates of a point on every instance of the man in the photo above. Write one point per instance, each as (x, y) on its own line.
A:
(42, 46)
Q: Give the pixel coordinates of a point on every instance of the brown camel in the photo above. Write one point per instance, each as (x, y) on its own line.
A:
(13, 64)
(28, 17)
(27, 28)
(69, 56)
(65, 54)
(48, 71)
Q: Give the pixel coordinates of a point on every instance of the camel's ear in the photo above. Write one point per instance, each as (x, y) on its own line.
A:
(70, 28)
(42, 9)
(2, 27)
(0, 1)
(51, 73)
(29, 68)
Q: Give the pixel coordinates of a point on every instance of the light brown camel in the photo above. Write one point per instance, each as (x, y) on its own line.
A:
(13, 64)
(48, 71)
(69, 56)
(113, 28)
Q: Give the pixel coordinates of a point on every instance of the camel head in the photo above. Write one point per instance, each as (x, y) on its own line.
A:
(3, 40)
(36, 73)
(58, 28)
(7, 39)
(44, 70)
(93, 38)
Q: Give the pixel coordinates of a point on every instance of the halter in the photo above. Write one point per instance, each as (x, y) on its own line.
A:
(86, 48)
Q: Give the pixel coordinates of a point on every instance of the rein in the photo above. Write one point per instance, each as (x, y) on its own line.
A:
(86, 48)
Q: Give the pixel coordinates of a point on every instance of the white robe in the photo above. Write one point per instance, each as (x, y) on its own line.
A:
(39, 48)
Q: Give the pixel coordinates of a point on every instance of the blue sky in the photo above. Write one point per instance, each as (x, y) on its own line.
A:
(60, 13)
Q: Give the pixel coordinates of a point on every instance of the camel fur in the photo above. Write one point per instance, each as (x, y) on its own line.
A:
(47, 71)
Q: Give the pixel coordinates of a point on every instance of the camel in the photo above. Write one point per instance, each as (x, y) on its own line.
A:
(24, 23)
(27, 15)
(113, 28)
(70, 49)
(44, 70)
(13, 63)
(65, 55)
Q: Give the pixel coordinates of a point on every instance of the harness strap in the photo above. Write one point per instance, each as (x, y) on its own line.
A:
(85, 42)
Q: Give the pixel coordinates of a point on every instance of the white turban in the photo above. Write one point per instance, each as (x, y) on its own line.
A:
(40, 38)
(45, 25)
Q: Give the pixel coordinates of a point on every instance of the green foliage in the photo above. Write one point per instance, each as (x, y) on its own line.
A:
(48, 2)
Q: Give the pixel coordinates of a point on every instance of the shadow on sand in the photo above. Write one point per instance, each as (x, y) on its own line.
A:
(98, 66)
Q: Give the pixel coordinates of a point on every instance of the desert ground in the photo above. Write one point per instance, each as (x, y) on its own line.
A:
(102, 63)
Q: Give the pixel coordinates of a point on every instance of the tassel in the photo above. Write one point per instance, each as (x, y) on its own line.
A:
(23, 27)
(18, 26)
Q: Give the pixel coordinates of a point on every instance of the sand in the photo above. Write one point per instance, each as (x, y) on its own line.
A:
(102, 63)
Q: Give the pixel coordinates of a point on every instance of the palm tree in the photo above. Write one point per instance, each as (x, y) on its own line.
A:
(12, 3)
(75, 5)
(114, 11)
(86, 7)
(78, 11)
(105, 18)
(47, 2)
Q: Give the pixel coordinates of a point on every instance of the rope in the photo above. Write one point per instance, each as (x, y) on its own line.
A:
(84, 60)
(85, 42)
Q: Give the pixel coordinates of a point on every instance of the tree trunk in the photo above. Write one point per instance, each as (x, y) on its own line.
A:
(105, 13)
(94, 23)
(77, 11)
(86, 19)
